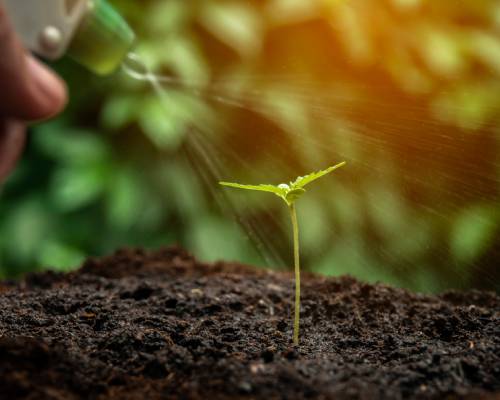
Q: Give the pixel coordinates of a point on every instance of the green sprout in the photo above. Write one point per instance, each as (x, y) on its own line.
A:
(290, 193)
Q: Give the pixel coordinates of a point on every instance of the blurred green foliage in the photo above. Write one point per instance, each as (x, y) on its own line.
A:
(407, 91)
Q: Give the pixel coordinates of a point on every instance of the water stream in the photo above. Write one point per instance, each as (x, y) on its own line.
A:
(204, 158)
(377, 132)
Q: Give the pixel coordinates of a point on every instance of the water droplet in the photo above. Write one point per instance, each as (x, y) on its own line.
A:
(135, 67)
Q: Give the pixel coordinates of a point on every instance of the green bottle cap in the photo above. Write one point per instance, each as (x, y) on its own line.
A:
(102, 40)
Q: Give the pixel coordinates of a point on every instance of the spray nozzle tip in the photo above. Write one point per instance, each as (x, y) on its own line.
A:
(103, 39)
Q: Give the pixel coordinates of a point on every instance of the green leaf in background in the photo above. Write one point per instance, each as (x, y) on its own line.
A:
(387, 209)
(315, 232)
(412, 240)
(486, 48)
(184, 193)
(426, 280)
(347, 207)
(167, 17)
(355, 34)
(78, 186)
(468, 106)
(163, 121)
(125, 199)
(293, 11)
(70, 146)
(286, 110)
(119, 111)
(25, 228)
(350, 257)
(472, 233)
(59, 256)
(185, 58)
(210, 239)
(409, 76)
(234, 23)
(441, 51)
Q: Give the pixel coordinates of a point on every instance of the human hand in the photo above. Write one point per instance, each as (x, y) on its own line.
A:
(29, 91)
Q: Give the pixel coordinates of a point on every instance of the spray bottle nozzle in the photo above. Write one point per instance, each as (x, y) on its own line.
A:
(91, 31)
(102, 40)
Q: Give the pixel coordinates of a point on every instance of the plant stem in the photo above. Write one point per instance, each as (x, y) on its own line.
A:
(296, 259)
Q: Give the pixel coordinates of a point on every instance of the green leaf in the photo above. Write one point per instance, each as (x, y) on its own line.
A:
(71, 146)
(165, 17)
(280, 190)
(209, 239)
(73, 188)
(280, 105)
(60, 256)
(119, 111)
(287, 12)
(184, 58)
(302, 181)
(288, 192)
(314, 238)
(125, 199)
(473, 232)
(163, 121)
(262, 188)
(235, 24)
(26, 226)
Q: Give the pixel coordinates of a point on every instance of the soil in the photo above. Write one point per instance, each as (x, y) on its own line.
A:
(160, 325)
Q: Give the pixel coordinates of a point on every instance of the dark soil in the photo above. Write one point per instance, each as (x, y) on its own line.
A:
(160, 325)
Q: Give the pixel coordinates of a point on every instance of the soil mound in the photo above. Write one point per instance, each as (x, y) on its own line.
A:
(160, 325)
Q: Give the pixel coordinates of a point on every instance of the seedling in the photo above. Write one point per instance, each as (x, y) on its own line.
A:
(290, 193)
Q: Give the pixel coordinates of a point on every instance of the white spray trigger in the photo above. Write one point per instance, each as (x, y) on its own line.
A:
(46, 27)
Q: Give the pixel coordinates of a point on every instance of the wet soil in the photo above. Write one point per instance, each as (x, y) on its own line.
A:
(161, 325)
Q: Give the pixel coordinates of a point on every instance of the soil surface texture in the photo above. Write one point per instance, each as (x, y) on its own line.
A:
(160, 325)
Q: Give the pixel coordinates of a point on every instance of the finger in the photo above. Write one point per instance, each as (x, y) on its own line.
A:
(48, 91)
(29, 90)
(12, 140)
